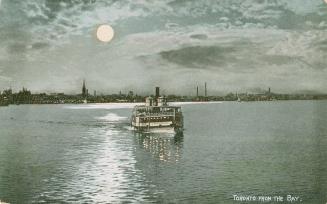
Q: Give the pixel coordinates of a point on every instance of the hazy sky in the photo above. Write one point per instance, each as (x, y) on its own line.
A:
(233, 45)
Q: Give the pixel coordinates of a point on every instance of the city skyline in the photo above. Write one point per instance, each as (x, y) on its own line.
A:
(198, 91)
(248, 46)
(25, 96)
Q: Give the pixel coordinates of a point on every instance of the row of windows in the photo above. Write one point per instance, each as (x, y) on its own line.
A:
(156, 119)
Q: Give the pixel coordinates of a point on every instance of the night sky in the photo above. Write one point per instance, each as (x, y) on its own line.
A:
(233, 45)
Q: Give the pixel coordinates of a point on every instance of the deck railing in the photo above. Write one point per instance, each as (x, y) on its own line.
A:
(156, 114)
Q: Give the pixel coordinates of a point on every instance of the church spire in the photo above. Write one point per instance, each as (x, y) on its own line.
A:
(84, 90)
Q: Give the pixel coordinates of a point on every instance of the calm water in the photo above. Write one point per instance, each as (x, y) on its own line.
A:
(88, 154)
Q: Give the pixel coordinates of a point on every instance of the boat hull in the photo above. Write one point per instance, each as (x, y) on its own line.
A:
(169, 130)
(167, 126)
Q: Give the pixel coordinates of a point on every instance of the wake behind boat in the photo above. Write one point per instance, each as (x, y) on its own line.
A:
(157, 115)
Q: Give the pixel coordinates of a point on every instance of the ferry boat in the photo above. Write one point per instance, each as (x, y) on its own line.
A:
(156, 115)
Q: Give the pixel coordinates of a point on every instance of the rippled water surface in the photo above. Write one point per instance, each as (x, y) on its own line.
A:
(89, 154)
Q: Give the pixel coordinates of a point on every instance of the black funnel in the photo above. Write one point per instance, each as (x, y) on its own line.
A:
(157, 92)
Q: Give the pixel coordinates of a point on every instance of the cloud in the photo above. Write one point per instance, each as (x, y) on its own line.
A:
(39, 45)
(198, 56)
(55, 22)
(199, 36)
(235, 44)
(305, 45)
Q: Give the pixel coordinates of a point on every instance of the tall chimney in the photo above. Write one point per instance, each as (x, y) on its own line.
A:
(197, 91)
(205, 89)
(157, 92)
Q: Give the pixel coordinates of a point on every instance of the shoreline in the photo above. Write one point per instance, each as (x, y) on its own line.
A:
(172, 103)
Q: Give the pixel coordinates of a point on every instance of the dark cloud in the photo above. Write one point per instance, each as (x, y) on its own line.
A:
(278, 59)
(198, 56)
(199, 36)
(40, 45)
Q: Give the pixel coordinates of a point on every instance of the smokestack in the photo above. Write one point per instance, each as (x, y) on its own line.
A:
(205, 89)
(197, 91)
(157, 92)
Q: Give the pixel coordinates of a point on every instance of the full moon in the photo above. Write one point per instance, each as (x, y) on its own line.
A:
(105, 33)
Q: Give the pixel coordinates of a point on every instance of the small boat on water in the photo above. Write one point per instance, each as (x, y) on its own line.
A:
(156, 115)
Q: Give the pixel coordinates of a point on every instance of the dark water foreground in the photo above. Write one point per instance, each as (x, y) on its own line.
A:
(88, 154)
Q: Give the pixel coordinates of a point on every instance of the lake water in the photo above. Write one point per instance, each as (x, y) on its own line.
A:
(88, 154)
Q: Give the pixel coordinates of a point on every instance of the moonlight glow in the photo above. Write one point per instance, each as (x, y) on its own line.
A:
(105, 33)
